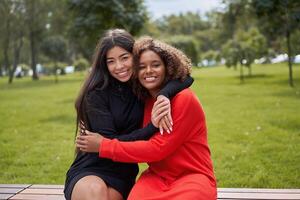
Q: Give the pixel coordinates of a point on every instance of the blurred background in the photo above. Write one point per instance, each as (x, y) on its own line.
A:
(246, 58)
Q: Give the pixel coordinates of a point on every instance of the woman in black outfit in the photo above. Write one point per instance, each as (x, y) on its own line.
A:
(106, 104)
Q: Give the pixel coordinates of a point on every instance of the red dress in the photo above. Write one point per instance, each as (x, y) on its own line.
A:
(180, 166)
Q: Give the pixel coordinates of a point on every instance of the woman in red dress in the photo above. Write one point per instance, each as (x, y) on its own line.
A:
(180, 165)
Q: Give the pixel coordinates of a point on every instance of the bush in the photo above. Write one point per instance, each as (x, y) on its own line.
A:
(187, 44)
(50, 68)
(81, 64)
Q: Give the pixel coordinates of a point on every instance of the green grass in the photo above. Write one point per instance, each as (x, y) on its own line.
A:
(254, 128)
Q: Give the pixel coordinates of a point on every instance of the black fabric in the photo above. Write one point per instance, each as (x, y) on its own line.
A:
(114, 112)
(175, 86)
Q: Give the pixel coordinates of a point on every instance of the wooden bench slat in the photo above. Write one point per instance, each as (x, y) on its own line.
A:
(259, 190)
(55, 192)
(10, 190)
(43, 191)
(244, 195)
(37, 197)
(14, 185)
(47, 186)
(6, 196)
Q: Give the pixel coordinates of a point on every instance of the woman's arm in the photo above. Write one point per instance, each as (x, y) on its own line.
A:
(188, 120)
(168, 91)
(101, 119)
(175, 86)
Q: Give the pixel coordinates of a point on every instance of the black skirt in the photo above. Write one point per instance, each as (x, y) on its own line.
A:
(123, 187)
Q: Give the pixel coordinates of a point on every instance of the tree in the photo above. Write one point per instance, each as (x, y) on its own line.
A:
(5, 32)
(187, 44)
(279, 18)
(13, 29)
(36, 16)
(243, 49)
(184, 24)
(55, 48)
(92, 17)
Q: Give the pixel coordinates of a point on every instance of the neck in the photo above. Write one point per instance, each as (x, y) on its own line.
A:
(154, 93)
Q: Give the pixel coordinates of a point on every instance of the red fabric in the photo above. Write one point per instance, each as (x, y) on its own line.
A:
(180, 166)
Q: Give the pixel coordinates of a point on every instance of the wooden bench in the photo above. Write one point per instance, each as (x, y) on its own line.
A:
(55, 192)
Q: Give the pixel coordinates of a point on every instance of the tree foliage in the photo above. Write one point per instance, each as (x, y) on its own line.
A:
(55, 47)
(187, 44)
(92, 17)
(244, 48)
(279, 18)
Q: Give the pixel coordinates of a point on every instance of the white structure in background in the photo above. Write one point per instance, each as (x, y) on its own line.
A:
(280, 58)
(70, 69)
(19, 72)
(297, 59)
(39, 69)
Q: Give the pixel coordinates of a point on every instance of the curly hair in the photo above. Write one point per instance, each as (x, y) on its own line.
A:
(178, 65)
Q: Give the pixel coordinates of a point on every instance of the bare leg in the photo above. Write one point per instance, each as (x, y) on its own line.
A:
(114, 194)
(90, 187)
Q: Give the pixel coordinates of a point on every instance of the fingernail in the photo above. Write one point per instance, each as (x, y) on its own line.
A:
(171, 129)
(172, 123)
(161, 132)
(168, 131)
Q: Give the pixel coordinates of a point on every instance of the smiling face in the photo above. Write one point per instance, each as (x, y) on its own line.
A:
(119, 63)
(152, 71)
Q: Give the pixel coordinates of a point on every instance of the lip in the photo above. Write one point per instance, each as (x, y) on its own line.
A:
(123, 74)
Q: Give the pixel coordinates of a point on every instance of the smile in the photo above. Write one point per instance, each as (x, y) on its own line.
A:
(150, 78)
(123, 73)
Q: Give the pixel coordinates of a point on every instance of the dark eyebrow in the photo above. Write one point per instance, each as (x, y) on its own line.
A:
(123, 54)
(119, 55)
(156, 61)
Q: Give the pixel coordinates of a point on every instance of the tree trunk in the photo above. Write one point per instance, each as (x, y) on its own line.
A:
(17, 50)
(55, 73)
(33, 56)
(291, 82)
(6, 47)
(241, 74)
(32, 37)
(249, 71)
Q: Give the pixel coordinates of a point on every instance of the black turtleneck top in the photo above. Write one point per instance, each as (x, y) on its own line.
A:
(115, 112)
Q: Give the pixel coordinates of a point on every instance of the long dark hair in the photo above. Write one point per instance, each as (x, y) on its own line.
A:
(99, 76)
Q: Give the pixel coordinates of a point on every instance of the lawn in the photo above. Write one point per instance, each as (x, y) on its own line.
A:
(254, 128)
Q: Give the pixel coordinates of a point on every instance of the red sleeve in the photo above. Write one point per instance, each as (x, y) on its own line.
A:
(186, 113)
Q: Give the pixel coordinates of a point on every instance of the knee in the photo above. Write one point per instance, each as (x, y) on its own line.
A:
(90, 187)
(98, 190)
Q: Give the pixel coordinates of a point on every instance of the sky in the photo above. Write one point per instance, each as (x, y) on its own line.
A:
(158, 8)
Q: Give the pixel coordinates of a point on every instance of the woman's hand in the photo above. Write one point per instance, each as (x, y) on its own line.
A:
(161, 114)
(89, 141)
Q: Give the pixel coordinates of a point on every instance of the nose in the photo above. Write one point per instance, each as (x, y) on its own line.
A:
(148, 69)
(119, 64)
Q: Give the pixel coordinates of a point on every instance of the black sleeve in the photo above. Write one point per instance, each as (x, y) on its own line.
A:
(139, 134)
(101, 120)
(175, 86)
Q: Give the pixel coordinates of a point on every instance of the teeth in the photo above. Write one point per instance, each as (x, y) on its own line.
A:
(122, 73)
(150, 78)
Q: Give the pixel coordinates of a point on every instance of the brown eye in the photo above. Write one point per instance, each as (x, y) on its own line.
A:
(141, 67)
(109, 62)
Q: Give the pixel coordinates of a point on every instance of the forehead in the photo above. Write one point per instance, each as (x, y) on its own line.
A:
(149, 55)
(116, 51)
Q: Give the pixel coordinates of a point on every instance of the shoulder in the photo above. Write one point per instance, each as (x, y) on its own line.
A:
(186, 100)
(97, 95)
(185, 95)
